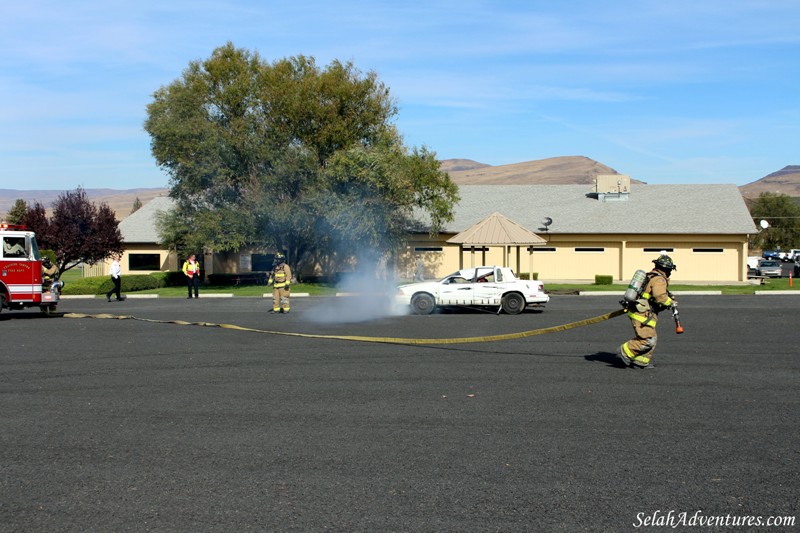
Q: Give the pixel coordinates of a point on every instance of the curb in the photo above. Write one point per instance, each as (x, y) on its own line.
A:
(762, 293)
(676, 293)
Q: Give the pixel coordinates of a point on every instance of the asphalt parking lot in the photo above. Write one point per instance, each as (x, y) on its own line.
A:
(111, 425)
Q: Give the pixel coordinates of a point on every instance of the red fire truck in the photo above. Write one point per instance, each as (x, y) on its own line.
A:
(22, 283)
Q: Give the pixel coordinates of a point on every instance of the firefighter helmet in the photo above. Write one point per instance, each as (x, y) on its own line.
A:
(280, 258)
(665, 263)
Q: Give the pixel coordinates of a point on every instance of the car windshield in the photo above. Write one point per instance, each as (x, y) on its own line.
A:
(768, 264)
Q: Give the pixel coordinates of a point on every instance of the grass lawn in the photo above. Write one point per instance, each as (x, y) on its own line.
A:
(71, 274)
(314, 289)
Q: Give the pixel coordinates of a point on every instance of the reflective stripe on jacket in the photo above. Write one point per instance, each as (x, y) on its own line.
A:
(190, 269)
(656, 291)
(280, 277)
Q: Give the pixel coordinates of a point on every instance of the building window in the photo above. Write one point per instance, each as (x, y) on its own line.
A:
(144, 262)
(707, 250)
(657, 250)
(428, 249)
(590, 249)
(540, 249)
(261, 262)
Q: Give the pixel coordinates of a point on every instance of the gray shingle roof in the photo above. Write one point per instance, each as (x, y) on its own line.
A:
(140, 226)
(698, 209)
(684, 209)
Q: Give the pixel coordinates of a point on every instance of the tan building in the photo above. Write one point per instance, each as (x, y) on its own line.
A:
(142, 254)
(704, 228)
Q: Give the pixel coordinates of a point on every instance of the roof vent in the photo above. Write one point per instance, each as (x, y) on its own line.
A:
(611, 187)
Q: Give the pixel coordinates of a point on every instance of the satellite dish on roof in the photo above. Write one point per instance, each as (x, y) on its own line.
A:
(546, 221)
(764, 224)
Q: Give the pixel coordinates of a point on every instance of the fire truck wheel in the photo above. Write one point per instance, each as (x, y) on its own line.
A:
(2, 302)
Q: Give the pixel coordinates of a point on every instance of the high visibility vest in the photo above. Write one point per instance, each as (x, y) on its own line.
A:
(190, 269)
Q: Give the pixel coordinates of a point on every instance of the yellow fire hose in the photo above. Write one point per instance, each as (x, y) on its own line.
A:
(387, 340)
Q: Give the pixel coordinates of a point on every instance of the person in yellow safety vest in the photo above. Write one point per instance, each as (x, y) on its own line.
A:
(191, 269)
(280, 278)
(638, 352)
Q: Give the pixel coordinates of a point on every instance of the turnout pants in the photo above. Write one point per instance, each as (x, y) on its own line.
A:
(640, 348)
(280, 299)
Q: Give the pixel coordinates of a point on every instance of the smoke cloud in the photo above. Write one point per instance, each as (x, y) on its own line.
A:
(361, 299)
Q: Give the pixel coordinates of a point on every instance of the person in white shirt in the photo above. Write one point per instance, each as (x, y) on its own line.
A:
(115, 278)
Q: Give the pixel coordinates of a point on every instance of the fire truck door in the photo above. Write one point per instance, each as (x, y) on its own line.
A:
(18, 271)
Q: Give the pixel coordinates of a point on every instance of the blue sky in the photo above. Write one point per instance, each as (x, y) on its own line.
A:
(701, 91)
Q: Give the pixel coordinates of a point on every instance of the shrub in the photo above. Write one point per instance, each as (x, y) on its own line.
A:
(130, 283)
(222, 279)
(603, 280)
(91, 285)
(170, 279)
(527, 275)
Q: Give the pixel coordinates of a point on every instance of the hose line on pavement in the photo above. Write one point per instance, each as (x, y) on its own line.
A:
(386, 340)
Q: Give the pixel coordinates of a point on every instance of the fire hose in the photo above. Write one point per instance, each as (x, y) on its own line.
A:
(385, 340)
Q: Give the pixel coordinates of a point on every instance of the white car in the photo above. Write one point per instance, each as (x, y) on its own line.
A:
(483, 286)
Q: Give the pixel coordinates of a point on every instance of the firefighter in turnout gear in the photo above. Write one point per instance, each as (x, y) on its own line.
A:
(49, 273)
(280, 278)
(654, 298)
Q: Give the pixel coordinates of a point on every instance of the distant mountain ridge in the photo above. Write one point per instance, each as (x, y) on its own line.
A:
(567, 170)
(554, 170)
(784, 181)
(121, 201)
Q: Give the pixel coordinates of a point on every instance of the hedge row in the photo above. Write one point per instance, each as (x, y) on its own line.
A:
(130, 283)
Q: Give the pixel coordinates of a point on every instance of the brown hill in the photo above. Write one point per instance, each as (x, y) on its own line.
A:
(121, 201)
(784, 181)
(554, 170)
(454, 165)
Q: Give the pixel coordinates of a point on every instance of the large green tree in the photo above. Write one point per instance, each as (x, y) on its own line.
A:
(292, 156)
(783, 216)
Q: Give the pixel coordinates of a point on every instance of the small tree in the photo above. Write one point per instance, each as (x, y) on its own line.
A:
(78, 232)
(137, 204)
(36, 219)
(17, 212)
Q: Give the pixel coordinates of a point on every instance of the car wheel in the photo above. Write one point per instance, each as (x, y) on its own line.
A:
(513, 303)
(422, 303)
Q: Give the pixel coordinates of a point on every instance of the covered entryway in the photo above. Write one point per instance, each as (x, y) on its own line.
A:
(495, 231)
